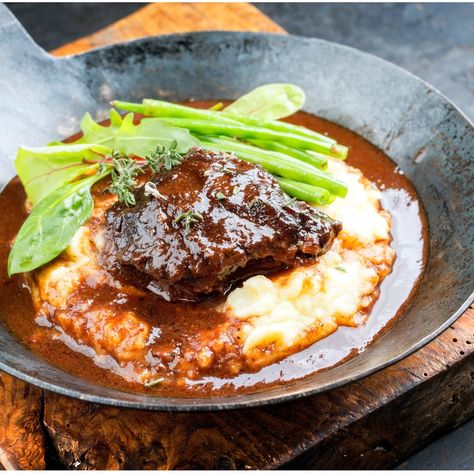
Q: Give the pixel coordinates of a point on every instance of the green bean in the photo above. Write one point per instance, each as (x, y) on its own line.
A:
(204, 127)
(276, 125)
(218, 106)
(306, 192)
(160, 108)
(129, 106)
(284, 127)
(315, 159)
(274, 152)
(284, 166)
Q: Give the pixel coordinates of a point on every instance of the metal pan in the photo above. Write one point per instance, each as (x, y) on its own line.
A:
(42, 98)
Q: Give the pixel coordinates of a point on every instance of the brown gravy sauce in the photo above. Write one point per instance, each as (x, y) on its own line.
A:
(410, 241)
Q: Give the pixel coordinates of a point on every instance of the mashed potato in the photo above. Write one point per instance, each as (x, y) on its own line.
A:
(281, 315)
(266, 319)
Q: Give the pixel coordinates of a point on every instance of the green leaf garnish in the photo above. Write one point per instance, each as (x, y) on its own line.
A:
(92, 132)
(141, 139)
(269, 102)
(144, 138)
(51, 225)
(45, 169)
(341, 269)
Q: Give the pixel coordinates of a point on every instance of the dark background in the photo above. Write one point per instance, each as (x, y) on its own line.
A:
(434, 41)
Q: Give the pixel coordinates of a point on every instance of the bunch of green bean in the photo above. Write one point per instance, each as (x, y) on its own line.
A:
(296, 155)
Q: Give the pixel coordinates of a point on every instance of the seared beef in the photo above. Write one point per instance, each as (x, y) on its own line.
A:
(239, 222)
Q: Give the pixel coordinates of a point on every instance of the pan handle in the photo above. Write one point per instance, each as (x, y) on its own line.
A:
(15, 38)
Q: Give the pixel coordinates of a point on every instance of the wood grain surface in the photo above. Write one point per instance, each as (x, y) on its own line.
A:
(166, 18)
(374, 423)
(22, 440)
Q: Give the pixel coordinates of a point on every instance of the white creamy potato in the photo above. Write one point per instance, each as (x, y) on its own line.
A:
(120, 334)
(284, 314)
(59, 279)
(359, 212)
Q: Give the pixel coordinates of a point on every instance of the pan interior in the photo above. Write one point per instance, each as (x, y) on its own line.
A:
(429, 139)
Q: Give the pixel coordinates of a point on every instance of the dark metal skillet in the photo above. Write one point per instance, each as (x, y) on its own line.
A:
(42, 98)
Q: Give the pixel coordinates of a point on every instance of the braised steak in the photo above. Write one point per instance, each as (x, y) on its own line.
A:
(209, 222)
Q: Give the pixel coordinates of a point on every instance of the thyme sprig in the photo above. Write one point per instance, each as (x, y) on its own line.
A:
(164, 157)
(189, 218)
(126, 168)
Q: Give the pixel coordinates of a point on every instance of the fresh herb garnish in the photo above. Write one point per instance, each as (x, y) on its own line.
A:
(166, 157)
(227, 170)
(189, 218)
(125, 170)
(102, 168)
(310, 214)
(289, 202)
(236, 190)
(341, 269)
(220, 195)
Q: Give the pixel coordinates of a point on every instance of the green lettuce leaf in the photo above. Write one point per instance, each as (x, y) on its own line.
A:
(142, 139)
(43, 170)
(100, 135)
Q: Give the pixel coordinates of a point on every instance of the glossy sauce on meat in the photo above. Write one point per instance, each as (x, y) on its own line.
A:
(242, 224)
(180, 319)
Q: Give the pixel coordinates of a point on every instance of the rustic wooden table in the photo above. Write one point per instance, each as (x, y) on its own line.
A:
(374, 423)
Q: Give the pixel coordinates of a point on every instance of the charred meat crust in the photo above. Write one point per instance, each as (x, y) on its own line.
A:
(239, 222)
